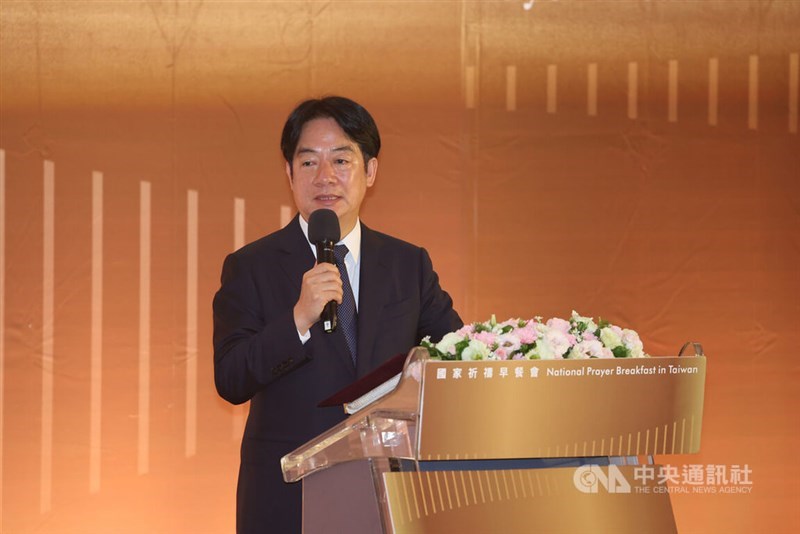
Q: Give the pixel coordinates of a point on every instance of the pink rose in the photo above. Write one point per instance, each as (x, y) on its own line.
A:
(559, 324)
(488, 338)
(465, 330)
(527, 334)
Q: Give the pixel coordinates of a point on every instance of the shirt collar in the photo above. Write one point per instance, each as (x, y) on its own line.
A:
(351, 240)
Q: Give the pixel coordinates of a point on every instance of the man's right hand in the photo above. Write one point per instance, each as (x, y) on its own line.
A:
(321, 285)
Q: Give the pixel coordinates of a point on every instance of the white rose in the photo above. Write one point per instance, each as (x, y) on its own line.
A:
(590, 324)
(631, 340)
(610, 338)
(589, 349)
(448, 343)
(558, 342)
(476, 350)
(578, 352)
(595, 349)
(544, 349)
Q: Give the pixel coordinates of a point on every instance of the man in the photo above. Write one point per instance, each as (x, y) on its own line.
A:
(269, 346)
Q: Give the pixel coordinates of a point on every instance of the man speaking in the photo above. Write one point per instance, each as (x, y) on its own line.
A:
(270, 346)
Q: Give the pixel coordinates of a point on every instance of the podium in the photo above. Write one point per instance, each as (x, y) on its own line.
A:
(506, 446)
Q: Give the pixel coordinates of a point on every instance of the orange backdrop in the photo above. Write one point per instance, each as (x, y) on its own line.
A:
(635, 160)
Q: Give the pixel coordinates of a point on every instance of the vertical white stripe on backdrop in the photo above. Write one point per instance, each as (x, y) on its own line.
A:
(511, 88)
(713, 91)
(552, 87)
(240, 411)
(96, 366)
(672, 84)
(752, 93)
(143, 431)
(238, 223)
(633, 90)
(470, 86)
(48, 285)
(794, 67)
(2, 306)
(591, 89)
(191, 321)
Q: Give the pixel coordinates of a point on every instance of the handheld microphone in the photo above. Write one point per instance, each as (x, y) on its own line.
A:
(324, 232)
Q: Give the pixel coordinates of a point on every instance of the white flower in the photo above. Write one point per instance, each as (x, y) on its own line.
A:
(579, 352)
(541, 328)
(551, 346)
(476, 350)
(591, 326)
(509, 341)
(631, 340)
(543, 351)
(574, 339)
(610, 338)
(448, 343)
(532, 354)
(558, 341)
(589, 349)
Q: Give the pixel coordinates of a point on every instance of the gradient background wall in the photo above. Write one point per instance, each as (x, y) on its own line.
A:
(635, 160)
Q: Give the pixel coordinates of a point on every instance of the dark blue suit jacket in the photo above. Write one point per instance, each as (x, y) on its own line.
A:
(258, 355)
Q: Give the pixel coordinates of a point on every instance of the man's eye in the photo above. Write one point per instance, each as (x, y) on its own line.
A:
(306, 163)
(342, 161)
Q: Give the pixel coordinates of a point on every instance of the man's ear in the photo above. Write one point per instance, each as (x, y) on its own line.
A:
(372, 171)
(288, 170)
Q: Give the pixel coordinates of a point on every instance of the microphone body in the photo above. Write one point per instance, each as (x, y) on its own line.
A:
(324, 232)
(329, 315)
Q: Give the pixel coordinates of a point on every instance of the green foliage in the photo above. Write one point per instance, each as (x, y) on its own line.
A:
(621, 351)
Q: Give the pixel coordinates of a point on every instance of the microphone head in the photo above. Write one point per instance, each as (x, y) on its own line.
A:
(323, 225)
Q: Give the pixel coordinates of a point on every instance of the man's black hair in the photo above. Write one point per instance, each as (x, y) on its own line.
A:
(351, 117)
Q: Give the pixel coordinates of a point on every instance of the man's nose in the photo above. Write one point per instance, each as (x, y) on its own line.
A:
(325, 174)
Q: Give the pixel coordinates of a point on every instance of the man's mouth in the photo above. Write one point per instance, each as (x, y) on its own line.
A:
(327, 198)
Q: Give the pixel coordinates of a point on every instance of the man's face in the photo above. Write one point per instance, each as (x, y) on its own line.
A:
(328, 171)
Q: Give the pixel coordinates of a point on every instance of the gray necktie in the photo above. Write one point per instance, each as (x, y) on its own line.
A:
(347, 309)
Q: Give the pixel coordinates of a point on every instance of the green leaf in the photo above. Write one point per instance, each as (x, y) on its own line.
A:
(621, 351)
(460, 346)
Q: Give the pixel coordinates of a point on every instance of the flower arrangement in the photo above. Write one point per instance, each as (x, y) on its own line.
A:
(517, 339)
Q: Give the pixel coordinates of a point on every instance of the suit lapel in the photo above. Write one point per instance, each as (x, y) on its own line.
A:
(373, 291)
(297, 257)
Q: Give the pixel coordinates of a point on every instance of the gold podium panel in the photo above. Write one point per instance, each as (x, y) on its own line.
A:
(561, 408)
(527, 500)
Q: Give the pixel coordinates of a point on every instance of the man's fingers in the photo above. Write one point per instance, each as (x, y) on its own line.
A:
(321, 284)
